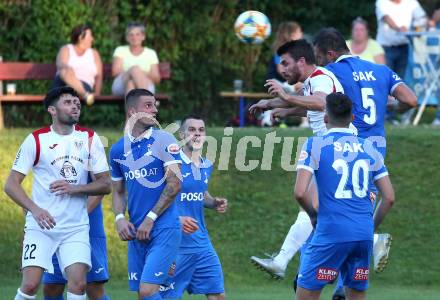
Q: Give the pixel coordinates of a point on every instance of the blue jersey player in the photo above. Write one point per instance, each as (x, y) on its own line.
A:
(145, 165)
(198, 268)
(98, 275)
(369, 86)
(344, 165)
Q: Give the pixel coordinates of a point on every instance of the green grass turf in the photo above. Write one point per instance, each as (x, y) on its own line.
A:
(266, 290)
(262, 210)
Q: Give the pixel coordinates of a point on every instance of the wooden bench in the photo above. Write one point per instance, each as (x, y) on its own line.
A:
(16, 71)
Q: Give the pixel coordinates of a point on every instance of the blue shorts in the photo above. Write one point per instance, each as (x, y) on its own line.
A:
(99, 271)
(321, 265)
(153, 261)
(58, 82)
(197, 273)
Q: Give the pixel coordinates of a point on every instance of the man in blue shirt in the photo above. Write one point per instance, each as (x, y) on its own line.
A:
(368, 85)
(145, 164)
(98, 275)
(198, 268)
(344, 167)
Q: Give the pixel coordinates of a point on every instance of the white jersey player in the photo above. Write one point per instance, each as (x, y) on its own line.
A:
(61, 157)
(298, 65)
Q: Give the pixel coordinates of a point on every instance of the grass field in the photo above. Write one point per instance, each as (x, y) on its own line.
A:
(266, 290)
(262, 210)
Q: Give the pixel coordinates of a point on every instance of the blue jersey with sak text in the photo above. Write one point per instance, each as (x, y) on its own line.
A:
(367, 85)
(141, 163)
(190, 203)
(344, 166)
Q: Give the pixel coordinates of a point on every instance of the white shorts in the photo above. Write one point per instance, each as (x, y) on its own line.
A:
(70, 247)
(118, 86)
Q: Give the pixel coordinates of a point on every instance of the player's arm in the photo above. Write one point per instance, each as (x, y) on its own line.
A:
(387, 192)
(97, 166)
(303, 178)
(100, 186)
(125, 229)
(93, 202)
(16, 192)
(169, 193)
(286, 112)
(172, 188)
(315, 102)
(405, 96)
(265, 104)
(217, 203)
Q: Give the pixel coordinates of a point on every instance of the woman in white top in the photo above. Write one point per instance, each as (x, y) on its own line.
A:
(364, 46)
(79, 66)
(134, 66)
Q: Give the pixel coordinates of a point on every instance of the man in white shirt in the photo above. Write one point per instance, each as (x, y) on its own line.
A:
(394, 17)
(297, 65)
(61, 157)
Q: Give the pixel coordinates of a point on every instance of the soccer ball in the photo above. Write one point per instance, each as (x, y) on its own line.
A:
(252, 27)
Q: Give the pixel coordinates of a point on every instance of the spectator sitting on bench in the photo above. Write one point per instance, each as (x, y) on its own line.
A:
(134, 66)
(79, 66)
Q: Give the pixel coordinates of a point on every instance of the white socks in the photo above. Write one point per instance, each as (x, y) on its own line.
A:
(376, 237)
(297, 236)
(22, 296)
(71, 296)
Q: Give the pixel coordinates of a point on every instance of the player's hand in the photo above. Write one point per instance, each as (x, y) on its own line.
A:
(62, 187)
(189, 225)
(221, 205)
(260, 106)
(278, 113)
(274, 88)
(43, 218)
(125, 229)
(143, 231)
(298, 88)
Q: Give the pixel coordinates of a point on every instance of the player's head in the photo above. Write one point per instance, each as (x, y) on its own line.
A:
(193, 131)
(135, 34)
(329, 44)
(63, 105)
(338, 110)
(141, 105)
(295, 57)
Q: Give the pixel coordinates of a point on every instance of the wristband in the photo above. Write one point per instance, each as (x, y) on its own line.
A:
(152, 215)
(119, 216)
